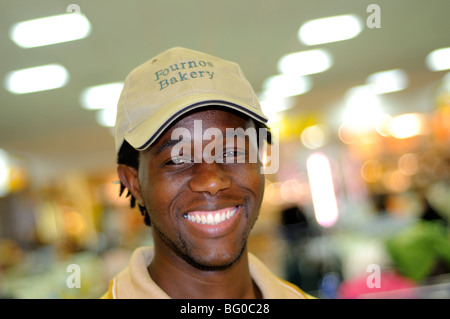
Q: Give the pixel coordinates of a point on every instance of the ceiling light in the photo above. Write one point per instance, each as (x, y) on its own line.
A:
(388, 81)
(4, 173)
(40, 78)
(305, 62)
(107, 117)
(330, 29)
(281, 86)
(50, 30)
(438, 59)
(406, 125)
(272, 106)
(362, 108)
(101, 96)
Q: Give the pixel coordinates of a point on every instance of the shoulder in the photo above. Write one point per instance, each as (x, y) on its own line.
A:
(109, 293)
(295, 290)
(270, 285)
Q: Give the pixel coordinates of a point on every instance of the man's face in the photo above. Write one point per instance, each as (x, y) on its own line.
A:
(202, 210)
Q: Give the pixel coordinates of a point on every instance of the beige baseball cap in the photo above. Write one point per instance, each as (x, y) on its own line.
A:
(174, 82)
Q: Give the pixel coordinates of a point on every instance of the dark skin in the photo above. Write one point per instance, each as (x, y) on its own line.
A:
(193, 260)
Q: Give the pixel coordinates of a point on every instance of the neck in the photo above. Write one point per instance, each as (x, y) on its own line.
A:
(180, 280)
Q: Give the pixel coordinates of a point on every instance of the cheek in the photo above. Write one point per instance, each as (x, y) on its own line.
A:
(158, 193)
(260, 188)
(253, 179)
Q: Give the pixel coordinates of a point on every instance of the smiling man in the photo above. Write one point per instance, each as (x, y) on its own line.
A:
(188, 135)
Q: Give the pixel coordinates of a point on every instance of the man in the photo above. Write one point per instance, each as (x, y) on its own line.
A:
(187, 132)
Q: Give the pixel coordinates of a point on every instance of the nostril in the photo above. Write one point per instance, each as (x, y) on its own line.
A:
(209, 178)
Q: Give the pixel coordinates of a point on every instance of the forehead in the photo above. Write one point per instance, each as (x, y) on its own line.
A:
(213, 117)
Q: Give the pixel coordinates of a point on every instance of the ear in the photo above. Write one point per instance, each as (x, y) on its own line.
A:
(129, 177)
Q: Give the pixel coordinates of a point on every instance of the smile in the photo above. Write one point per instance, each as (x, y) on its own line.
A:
(211, 217)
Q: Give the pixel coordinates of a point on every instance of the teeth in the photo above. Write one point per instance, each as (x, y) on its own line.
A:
(211, 219)
(216, 218)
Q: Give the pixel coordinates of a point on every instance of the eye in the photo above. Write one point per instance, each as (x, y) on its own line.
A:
(231, 153)
(177, 161)
(234, 153)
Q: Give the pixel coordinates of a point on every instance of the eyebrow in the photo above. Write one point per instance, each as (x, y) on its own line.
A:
(167, 144)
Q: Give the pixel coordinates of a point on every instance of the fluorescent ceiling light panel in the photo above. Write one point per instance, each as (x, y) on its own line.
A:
(438, 59)
(388, 81)
(314, 136)
(406, 125)
(305, 62)
(4, 173)
(101, 96)
(330, 29)
(50, 30)
(281, 86)
(107, 117)
(362, 108)
(40, 78)
(273, 106)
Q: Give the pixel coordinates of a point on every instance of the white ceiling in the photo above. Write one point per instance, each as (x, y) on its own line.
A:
(54, 132)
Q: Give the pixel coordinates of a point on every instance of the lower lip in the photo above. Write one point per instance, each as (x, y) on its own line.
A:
(220, 229)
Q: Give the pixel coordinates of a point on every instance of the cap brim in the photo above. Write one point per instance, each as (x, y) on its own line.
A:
(145, 134)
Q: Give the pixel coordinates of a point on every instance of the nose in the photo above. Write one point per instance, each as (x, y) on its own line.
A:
(210, 178)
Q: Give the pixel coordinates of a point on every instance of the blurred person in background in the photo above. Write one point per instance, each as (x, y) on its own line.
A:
(201, 208)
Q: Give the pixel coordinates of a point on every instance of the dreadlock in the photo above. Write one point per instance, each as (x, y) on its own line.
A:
(130, 156)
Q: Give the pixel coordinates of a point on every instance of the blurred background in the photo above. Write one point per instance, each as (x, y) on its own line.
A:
(360, 104)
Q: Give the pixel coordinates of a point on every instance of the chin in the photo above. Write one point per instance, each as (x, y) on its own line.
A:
(216, 262)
